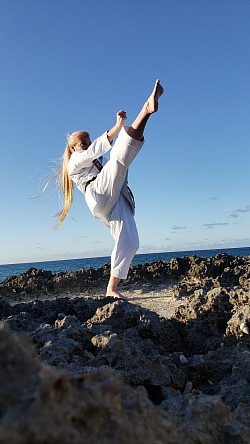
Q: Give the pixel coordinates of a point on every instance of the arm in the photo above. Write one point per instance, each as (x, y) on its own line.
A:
(84, 159)
(120, 117)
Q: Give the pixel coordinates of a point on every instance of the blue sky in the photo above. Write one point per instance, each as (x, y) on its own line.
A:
(72, 64)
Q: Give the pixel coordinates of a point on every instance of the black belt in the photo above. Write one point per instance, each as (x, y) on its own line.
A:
(131, 195)
(129, 190)
(91, 180)
(99, 166)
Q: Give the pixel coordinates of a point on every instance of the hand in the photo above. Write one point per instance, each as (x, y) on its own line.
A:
(120, 117)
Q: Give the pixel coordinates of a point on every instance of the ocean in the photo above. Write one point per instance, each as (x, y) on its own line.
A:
(96, 262)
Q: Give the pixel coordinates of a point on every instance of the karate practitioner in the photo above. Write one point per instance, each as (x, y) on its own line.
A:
(104, 183)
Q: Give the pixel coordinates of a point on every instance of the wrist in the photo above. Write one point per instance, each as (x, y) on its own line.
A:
(118, 125)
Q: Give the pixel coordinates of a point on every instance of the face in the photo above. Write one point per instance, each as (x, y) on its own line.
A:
(83, 144)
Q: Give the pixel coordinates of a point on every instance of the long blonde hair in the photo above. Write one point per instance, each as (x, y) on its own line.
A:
(64, 182)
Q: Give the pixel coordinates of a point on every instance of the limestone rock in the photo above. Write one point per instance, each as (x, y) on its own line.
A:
(105, 370)
(40, 404)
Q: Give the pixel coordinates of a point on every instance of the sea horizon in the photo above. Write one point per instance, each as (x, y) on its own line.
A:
(64, 265)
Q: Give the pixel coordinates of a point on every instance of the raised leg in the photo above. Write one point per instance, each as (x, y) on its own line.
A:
(136, 130)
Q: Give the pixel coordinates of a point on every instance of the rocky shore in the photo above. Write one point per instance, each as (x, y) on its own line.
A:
(170, 365)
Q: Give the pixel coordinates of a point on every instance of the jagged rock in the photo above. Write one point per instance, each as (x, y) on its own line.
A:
(208, 420)
(120, 360)
(40, 404)
(189, 272)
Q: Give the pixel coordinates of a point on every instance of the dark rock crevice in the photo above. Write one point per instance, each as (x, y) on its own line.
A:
(102, 368)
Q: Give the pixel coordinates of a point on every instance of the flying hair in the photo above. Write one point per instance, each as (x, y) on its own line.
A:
(63, 180)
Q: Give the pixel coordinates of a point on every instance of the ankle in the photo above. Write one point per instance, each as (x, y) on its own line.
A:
(113, 283)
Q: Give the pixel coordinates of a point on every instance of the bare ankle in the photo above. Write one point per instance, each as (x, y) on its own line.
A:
(137, 128)
(152, 102)
(112, 288)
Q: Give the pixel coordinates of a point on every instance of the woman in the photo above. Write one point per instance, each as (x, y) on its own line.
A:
(104, 183)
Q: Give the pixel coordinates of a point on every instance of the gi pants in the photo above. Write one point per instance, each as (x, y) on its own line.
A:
(105, 199)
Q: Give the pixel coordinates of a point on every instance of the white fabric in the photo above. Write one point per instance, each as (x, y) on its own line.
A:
(81, 167)
(124, 231)
(107, 200)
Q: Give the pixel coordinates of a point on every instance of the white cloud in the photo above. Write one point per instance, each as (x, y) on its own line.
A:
(233, 215)
(178, 227)
(246, 209)
(216, 224)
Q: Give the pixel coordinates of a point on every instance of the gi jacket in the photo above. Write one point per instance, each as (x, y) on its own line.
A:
(82, 169)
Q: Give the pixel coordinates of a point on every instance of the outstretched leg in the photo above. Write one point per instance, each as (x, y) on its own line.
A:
(136, 131)
(150, 106)
(109, 182)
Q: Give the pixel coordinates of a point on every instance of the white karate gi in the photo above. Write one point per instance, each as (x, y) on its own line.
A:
(107, 196)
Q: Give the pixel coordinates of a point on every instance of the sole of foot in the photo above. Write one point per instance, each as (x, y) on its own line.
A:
(117, 295)
(152, 103)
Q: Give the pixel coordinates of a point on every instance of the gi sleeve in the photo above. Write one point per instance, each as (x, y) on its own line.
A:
(83, 159)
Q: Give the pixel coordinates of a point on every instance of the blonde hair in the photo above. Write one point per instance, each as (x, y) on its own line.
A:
(64, 182)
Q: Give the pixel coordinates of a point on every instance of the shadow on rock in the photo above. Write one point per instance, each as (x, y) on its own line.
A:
(113, 369)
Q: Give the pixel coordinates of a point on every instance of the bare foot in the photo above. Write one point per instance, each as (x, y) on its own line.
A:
(116, 294)
(112, 288)
(152, 102)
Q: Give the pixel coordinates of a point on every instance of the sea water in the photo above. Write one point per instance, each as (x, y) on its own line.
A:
(96, 262)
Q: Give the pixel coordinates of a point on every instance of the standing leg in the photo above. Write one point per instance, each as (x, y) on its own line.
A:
(112, 288)
(124, 231)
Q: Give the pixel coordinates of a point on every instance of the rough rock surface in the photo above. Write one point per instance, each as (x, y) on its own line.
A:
(189, 274)
(97, 369)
